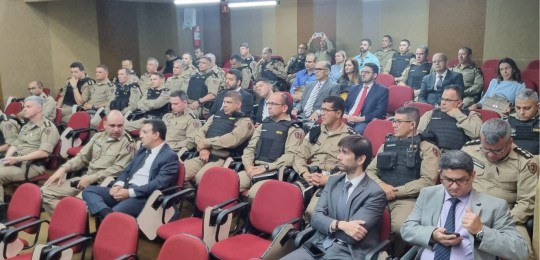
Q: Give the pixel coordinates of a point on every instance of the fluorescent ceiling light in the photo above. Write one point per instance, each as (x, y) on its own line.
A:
(252, 4)
(193, 2)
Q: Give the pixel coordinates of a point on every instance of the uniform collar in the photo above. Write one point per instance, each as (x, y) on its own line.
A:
(343, 128)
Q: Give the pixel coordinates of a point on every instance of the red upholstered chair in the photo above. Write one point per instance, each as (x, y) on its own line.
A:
(422, 107)
(167, 75)
(184, 246)
(386, 80)
(47, 91)
(487, 114)
(491, 64)
(534, 65)
(79, 122)
(376, 132)
(531, 75)
(276, 203)
(218, 186)
(530, 84)
(398, 96)
(14, 108)
(58, 118)
(52, 164)
(452, 63)
(489, 74)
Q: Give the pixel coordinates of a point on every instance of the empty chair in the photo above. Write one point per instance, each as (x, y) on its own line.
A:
(386, 80)
(78, 128)
(376, 132)
(183, 246)
(13, 108)
(422, 107)
(398, 96)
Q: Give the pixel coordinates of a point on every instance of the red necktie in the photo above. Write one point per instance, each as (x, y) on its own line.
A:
(361, 103)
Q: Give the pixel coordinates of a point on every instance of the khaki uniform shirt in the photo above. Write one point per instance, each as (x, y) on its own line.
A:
(278, 70)
(189, 71)
(104, 156)
(322, 153)
(295, 136)
(98, 94)
(384, 56)
(146, 104)
(88, 83)
(144, 82)
(473, 80)
(181, 130)
(49, 107)
(243, 130)
(429, 154)
(246, 77)
(469, 124)
(176, 83)
(42, 136)
(513, 178)
(220, 74)
(10, 129)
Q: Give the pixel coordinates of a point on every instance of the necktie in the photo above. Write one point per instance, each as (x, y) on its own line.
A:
(311, 101)
(443, 252)
(141, 162)
(341, 211)
(358, 110)
(439, 83)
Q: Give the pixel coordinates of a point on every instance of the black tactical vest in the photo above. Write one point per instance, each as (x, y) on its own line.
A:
(268, 74)
(223, 124)
(449, 136)
(121, 96)
(197, 85)
(400, 62)
(69, 98)
(526, 133)
(400, 161)
(271, 144)
(297, 64)
(417, 73)
(152, 94)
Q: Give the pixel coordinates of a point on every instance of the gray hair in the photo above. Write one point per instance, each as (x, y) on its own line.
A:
(211, 56)
(527, 94)
(153, 60)
(456, 160)
(327, 65)
(178, 61)
(37, 100)
(424, 48)
(314, 57)
(494, 130)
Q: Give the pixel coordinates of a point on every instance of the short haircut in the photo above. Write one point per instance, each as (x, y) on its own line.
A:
(367, 40)
(158, 74)
(311, 54)
(211, 56)
(337, 103)
(359, 145)
(170, 52)
(467, 50)
(327, 65)
(77, 65)
(188, 54)
(153, 60)
(244, 44)
(456, 160)
(494, 130)
(443, 56)
(373, 66)
(235, 95)
(237, 74)
(264, 80)
(388, 36)
(104, 67)
(407, 41)
(458, 89)
(424, 48)
(286, 99)
(236, 57)
(527, 94)
(180, 94)
(128, 59)
(206, 58)
(126, 70)
(35, 99)
(157, 126)
(179, 61)
(269, 49)
(412, 113)
(303, 44)
(39, 84)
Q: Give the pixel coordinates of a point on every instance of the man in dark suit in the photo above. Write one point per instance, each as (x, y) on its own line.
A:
(347, 216)
(433, 84)
(366, 101)
(264, 90)
(233, 81)
(154, 167)
(312, 98)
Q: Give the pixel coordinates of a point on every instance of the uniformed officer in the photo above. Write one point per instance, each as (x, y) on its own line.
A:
(296, 63)
(215, 68)
(472, 77)
(9, 132)
(154, 104)
(274, 143)
(97, 95)
(105, 155)
(36, 142)
(128, 64)
(203, 86)
(71, 93)
(198, 54)
(232, 82)
(399, 61)
(187, 66)
(268, 68)
(505, 171)
(451, 123)
(145, 81)
(126, 95)
(49, 104)
(182, 126)
(525, 123)
(386, 52)
(412, 75)
(236, 63)
(178, 81)
(404, 164)
(246, 58)
(223, 135)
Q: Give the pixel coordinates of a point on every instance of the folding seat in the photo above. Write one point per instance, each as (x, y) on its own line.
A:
(184, 246)
(386, 80)
(487, 114)
(422, 107)
(398, 96)
(274, 216)
(76, 133)
(58, 118)
(376, 131)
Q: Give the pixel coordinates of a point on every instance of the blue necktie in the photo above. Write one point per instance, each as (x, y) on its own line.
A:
(341, 213)
(443, 252)
(439, 83)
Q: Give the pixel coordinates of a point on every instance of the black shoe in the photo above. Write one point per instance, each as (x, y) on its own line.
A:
(103, 213)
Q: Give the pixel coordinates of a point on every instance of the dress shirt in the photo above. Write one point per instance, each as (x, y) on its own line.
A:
(355, 181)
(302, 79)
(353, 109)
(443, 77)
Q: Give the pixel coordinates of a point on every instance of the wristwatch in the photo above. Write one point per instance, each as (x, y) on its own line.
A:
(480, 235)
(266, 167)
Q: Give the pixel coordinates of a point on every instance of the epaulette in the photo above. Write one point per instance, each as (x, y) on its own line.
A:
(110, 84)
(297, 124)
(523, 152)
(193, 115)
(351, 131)
(129, 137)
(47, 123)
(472, 142)
(4, 117)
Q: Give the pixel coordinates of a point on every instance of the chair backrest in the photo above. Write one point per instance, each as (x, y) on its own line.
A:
(530, 84)
(534, 65)
(117, 235)
(26, 201)
(531, 75)
(58, 118)
(376, 132)
(184, 246)
(181, 174)
(398, 96)
(68, 217)
(385, 230)
(487, 114)
(276, 202)
(217, 185)
(14, 108)
(47, 91)
(386, 80)
(80, 120)
(101, 125)
(54, 157)
(489, 74)
(452, 63)
(422, 107)
(491, 64)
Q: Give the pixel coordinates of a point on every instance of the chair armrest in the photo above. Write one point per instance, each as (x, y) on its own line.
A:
(272, 175)
(35, 161)
(63, 239)
(222, 216)
(277, 230)
(168, 191)
(75, 132)
(9, 235)
(373, 254)
(529, 225)
(225, 203)
(57, 250)
(411, 254)
(168, 200)
(19, 220)
(127, 256)
(304, 236)
(290, 175)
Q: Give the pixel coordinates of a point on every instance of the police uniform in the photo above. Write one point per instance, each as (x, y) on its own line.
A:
(220, 74)
(145, 82)
(277, 73)
(514, 179)
(177, 82)
(49, 107)
(412, 75)
(189, 71)
(246, 76)
(473, 80)
(322, 55)
(296, 63)
(104, 156)
(155, 104)
(201, 84)
(273, 145)
(42, 136)
(9, 130)
(98, 94)
(124, 98)
(526, 133)
(223, 135)
(69, 99)
(181, 130)
(249, 61)
(409, 165)
(397, 64)
(384, 56)
(453, 129)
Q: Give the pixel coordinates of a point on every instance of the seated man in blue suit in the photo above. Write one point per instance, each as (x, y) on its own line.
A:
(366, 101)
(432, 85)
(154, 167)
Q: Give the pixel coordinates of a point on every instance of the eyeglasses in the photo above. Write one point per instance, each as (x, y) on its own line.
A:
(495, 151)
(319, 69)
(449, 181)
(399, 122)
(448, 100)
(273, 104)
(326, 110)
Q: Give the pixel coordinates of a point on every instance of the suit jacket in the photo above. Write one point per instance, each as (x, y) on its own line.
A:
(428, 94)
(247, 102)
(500, 235)
(329, 88)
(258, 113)
(366, 202)
(163, 172)
(375, 104)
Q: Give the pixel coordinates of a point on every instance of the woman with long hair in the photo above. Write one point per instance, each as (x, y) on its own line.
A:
(350, 76)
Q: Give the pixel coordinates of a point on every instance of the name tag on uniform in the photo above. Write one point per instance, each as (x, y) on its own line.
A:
(436, 118)
(477, 163)
(279, 132)
(390, 145)
(232, 118)
(536, 129)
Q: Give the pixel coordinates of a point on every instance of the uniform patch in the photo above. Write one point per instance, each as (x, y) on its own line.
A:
(279, 132)
(250, 126)
(533, 168)
(298, 135)
(130, 148)
(436, 151)
(47, 131)
(195, 123)
(8, 127)
(477, 163)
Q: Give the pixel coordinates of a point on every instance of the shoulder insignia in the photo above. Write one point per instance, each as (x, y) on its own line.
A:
(533, 167)
(165, 90)
(47, 123)
(523, 152)
(297, 124)
(4, 117)
(478, 164)
(436, 151)
(351, 131)
(193, 115)
(472, 142)
(129, 137)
